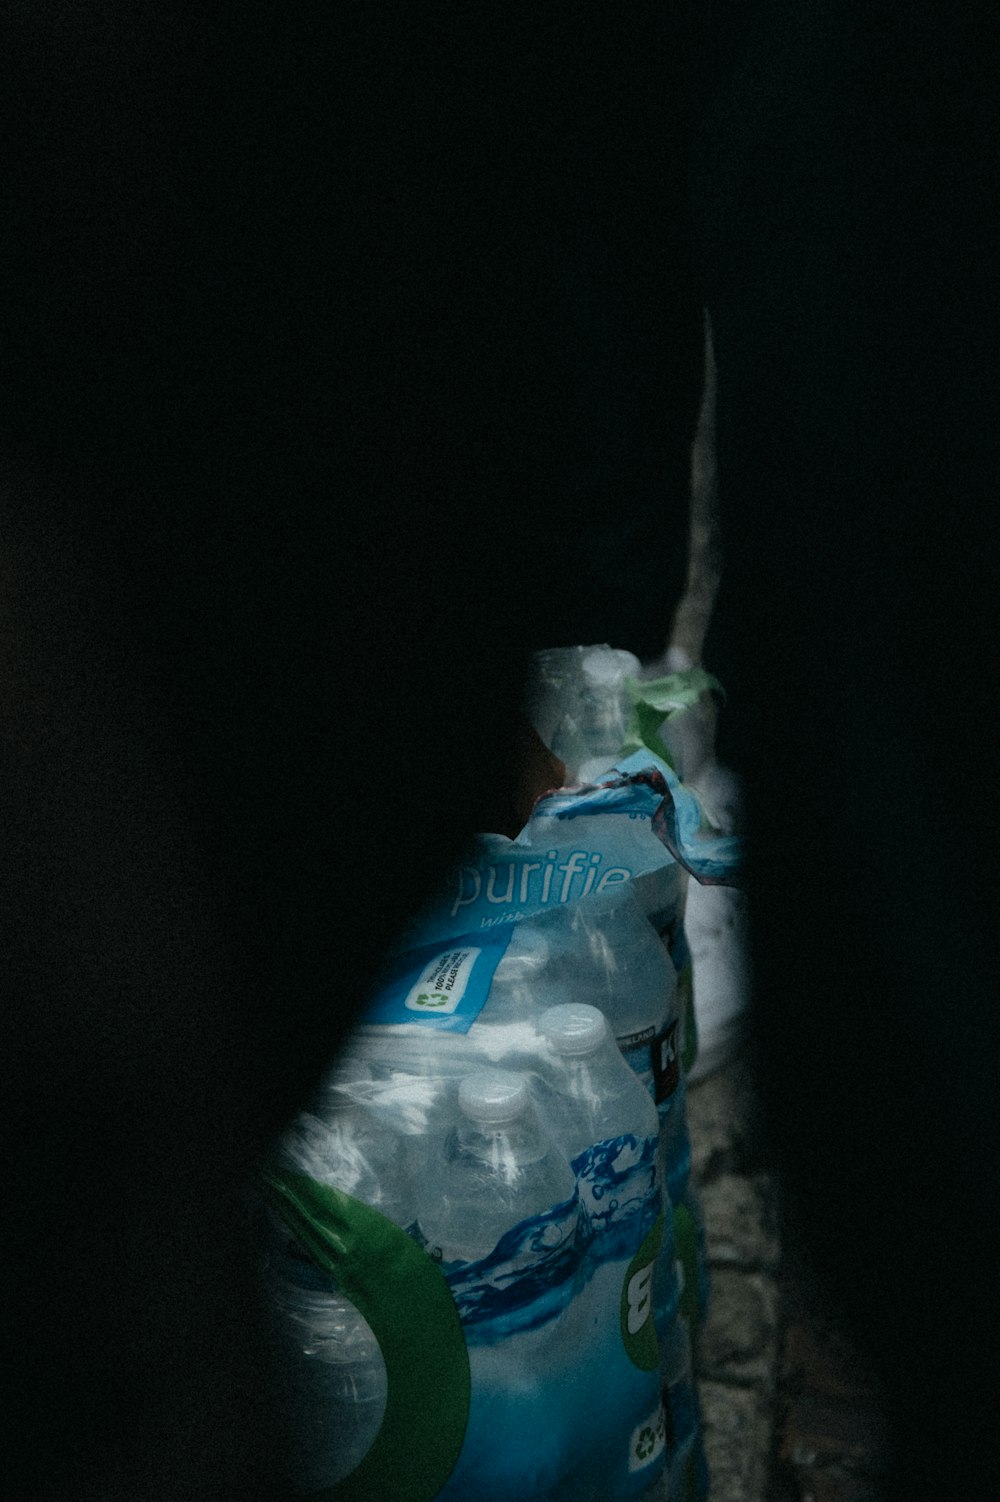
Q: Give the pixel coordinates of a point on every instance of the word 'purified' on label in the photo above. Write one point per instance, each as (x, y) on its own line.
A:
(441, 984)
(523, 882)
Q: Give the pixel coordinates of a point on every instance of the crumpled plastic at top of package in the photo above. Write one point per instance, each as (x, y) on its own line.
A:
(638, 820)
(659, 714)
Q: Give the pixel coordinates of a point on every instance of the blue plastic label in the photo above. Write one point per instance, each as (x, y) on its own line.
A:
(440, 985)
(579, 842)
(643, 786)
(619, 1193)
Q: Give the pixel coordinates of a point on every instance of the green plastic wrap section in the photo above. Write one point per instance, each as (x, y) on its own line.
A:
(403, 1295)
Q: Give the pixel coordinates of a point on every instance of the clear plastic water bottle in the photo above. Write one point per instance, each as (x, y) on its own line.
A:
(329, 1370)
(600, 1096)
(594, 1095)
(607, 1124)
(500, 1212)
(590, 736)
(498, 1169)
(613, 960)
(553, 689)
(330, 1378)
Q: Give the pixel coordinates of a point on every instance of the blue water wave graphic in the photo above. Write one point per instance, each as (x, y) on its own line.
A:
(619, 1193)
(526, 1280)
(539, 1265)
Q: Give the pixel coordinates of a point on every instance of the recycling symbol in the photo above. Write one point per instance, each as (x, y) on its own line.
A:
(645, 1444)
(432, 999)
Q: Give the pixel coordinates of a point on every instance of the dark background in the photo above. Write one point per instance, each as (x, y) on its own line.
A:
(348, 359)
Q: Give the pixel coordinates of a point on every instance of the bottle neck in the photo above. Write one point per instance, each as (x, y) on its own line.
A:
(587, 1077)
(505, 1148)
(602, 719)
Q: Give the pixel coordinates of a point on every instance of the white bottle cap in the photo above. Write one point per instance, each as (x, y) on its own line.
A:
(630, 663)
(574, 1028)
(492, 1096)
(603, 667)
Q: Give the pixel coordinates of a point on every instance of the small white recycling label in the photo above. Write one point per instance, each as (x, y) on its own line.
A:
(649, 1440)
(442, 982)
(439, 985)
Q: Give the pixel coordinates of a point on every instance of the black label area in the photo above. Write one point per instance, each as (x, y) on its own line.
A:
(666, 1063)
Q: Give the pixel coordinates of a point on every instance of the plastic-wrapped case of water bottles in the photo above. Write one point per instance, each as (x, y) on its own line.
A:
(481, 1247)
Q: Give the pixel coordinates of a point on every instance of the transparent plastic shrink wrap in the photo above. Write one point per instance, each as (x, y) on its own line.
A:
(514, 1310)
(606, 954)
(331, 1373)
(638, 832)
(613, 965)
(514, 1278)
(593, 706)
(579, 703)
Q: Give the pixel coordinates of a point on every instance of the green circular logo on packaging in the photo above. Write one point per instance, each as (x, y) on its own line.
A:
(403, 1295)
(638, 1330)
(686, 1247)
